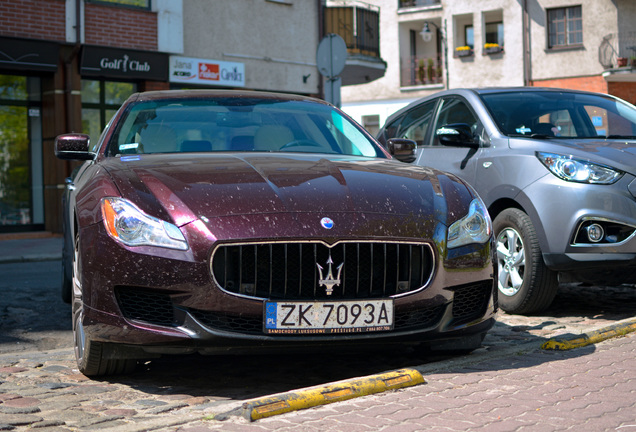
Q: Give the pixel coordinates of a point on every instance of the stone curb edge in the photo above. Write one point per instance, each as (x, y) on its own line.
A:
(337, 392)
(30, 258)
(568, 342)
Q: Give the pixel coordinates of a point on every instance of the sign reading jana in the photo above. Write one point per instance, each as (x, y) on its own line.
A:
(206, 72)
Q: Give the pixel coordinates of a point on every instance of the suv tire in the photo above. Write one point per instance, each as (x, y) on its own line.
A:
(525, 284)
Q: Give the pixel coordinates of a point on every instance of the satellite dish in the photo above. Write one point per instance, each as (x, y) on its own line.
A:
(331, 55)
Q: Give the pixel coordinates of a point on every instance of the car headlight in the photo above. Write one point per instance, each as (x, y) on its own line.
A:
(132, 227)
(576, 170)
(475, 227)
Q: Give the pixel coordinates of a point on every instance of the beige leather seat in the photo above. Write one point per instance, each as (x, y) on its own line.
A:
(272, 137)
(157, 138)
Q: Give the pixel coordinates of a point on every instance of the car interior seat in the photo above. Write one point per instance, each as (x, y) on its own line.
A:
(242, 143)
(272, 137)
(544, 129)
(157, 138)
(196, 146)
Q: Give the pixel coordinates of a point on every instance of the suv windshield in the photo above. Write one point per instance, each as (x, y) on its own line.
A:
(542, 114)
(237, 124)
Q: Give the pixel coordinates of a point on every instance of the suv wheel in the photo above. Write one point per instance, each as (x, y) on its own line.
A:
(526, 285)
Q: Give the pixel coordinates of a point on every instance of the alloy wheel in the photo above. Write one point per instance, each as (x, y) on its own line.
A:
(512, 261)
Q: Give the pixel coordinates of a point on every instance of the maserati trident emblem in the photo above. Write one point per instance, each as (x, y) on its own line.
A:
(329, 282)
(326, 223)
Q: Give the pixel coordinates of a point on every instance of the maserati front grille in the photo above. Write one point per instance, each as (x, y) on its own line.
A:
(315, 271)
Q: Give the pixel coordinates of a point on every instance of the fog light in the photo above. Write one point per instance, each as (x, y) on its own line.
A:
(595, 233)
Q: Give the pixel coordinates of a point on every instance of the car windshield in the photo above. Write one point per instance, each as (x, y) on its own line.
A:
(547, 114)
(237, 125)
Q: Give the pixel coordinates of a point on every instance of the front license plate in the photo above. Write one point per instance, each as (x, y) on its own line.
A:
(328, 317)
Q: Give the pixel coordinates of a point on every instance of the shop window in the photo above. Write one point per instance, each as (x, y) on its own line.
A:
(565, 27)
(100, 101)
(21, 191)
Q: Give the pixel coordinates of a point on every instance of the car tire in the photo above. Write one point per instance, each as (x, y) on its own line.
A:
(90, 355)
(67, 281)
(525, 284)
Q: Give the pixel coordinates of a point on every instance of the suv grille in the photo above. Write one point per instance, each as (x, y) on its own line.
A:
(298, 271)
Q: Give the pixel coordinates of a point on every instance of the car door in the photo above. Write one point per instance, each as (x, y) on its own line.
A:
(459, 160)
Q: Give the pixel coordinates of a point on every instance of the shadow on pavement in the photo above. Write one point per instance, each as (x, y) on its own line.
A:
(513, 343)
(32, 317)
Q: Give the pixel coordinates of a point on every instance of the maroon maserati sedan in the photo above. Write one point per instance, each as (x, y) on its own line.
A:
(224, 221)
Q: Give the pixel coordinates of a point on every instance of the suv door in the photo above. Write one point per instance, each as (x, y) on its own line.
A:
(457, 159)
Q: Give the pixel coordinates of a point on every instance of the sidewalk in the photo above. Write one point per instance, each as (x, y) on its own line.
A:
(30, 247)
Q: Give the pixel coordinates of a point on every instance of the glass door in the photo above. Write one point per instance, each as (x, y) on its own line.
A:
(21, 194)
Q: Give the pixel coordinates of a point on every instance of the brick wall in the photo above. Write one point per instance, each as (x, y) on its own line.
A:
(624, 90)
(120, 27)
(589, 83)
(33, 19)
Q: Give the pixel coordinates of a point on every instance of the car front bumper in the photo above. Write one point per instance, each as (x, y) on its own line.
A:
(160, 301)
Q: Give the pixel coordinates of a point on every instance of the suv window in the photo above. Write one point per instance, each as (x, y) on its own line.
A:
(455, 111)
(417, 122)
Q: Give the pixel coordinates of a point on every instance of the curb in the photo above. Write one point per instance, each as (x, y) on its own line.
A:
(31, 258)
(568, 342)
(337, 392)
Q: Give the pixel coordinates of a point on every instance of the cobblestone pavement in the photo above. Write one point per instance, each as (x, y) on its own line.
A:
(509, 384)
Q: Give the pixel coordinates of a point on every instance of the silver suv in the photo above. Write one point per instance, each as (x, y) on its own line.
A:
(556, 169)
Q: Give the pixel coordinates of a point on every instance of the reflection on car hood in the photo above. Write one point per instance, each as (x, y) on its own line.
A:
(219, 185)
(617, 153)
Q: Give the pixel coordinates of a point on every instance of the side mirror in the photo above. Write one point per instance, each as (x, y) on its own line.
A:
(456, 134)
(73, 146)
(402, 149)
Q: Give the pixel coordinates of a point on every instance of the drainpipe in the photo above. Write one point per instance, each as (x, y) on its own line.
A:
(321, 34)
(68, 64)
(527, 67)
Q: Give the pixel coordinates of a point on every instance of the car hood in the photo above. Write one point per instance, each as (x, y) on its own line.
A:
(183, 188)
(617, 153)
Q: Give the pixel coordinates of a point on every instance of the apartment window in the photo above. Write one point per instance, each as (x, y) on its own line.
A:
(469, 36)
(565, 27)
(371, 123)
(137, 4)
(494, 33)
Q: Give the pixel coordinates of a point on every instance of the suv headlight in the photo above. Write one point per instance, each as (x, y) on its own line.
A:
(576, 170)
(475, 227)
(132, 227)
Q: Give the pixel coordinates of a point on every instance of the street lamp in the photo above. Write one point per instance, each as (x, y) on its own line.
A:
(427, 36)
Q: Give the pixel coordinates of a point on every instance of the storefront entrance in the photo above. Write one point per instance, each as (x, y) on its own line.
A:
(21, 192)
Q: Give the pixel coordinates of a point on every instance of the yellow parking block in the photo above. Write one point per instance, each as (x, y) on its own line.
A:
(343, 390)
(577, 341)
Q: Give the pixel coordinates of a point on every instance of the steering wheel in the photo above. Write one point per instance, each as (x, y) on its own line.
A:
(300, 143)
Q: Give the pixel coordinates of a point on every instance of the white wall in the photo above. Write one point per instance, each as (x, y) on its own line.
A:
(276, 41)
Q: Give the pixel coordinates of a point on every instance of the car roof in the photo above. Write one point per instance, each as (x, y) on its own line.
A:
(468, 92)
(214, 94)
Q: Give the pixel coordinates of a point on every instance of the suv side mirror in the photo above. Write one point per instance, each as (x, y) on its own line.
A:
(73, 146)
(456, 134)
(402, 149)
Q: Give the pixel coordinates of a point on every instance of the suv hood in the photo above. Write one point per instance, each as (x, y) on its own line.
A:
(615, 153)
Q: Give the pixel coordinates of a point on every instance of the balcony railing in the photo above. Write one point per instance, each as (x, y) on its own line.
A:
(418, 3)
(415, 71)
(357, 23)
(614, 50)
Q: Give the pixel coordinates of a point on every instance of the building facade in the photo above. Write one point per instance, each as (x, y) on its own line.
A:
(67, 65)
(430, 45)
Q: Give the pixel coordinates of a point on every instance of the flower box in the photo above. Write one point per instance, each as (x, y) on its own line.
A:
(463, 51)
(492, 49)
